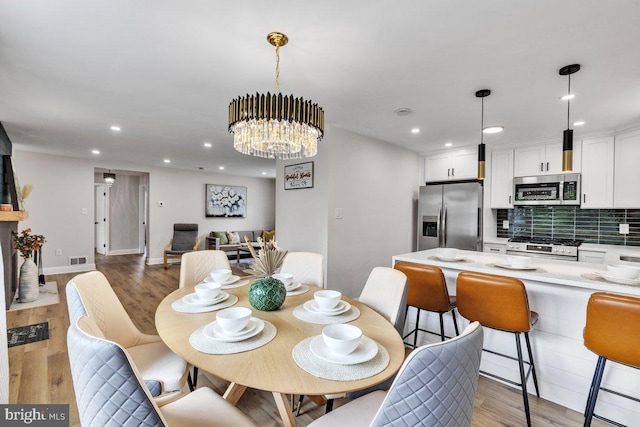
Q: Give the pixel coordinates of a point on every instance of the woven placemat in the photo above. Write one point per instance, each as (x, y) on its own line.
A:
(299, 291)
(204, 344)
(182, 307)
(238, 284)
(317, 367)
(303, 314)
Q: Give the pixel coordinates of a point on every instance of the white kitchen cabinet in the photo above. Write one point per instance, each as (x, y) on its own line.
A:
(626, 171)
(597, 173)
(461, 164)
(502, 179)
(538, 159)
(594, 256)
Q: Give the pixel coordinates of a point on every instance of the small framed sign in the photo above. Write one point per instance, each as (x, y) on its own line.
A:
(298, 176)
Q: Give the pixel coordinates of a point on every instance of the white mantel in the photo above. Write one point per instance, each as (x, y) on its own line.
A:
(558, 292)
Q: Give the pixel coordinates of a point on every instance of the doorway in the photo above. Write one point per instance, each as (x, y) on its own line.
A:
(101, 219)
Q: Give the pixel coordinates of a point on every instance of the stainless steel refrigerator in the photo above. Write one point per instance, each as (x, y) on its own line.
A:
(450, 215)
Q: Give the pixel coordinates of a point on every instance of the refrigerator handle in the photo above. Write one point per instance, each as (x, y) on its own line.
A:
(444, 227)
(440, 226)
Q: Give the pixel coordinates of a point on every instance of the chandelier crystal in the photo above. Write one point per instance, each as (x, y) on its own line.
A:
(276, 126)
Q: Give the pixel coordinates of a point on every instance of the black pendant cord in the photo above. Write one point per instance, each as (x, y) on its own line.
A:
(482, 123)
(569, 102)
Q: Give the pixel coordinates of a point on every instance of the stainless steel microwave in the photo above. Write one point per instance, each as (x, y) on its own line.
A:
(561, 189)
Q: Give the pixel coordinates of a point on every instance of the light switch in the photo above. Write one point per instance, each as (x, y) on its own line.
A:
(624, 228)
(338, 213)
(505, 224)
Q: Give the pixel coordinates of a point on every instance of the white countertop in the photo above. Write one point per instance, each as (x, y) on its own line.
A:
(557, 272)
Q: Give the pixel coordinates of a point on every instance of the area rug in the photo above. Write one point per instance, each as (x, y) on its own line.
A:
(28, 334)
(48, 295)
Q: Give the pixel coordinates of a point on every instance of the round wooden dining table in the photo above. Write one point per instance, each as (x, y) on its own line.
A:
(271, 367)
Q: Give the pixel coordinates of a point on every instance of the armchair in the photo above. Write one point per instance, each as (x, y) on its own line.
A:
(185, 239)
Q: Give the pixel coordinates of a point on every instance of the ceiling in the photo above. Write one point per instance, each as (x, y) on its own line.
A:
(165, 71)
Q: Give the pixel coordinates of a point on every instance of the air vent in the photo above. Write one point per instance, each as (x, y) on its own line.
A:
(77, 260)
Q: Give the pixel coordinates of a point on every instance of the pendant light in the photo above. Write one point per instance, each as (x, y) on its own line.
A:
(482, 94)
(567, 137)
(109, 178)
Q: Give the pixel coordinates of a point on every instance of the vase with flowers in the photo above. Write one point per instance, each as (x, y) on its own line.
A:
(266, 293)
(26, 243)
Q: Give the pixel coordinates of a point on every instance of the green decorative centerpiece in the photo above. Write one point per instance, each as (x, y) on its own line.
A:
(266, 293)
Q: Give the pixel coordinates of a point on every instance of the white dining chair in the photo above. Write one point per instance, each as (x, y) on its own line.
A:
(435, 387)
(195, 266)
(110, 392)
(164, 371)
(306, 267)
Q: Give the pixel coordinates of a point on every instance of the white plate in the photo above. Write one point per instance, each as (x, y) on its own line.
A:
(194, 299)
(293, 286)
(510, 267)
(366, 350)
(312, 307)
(444, 258)
(253, 328)
(230, 280)
(617, 279)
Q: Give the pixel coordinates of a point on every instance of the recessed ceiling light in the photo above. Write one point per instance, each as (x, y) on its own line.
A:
(167, 161)
(264, 173)
(568, 97)
(116, 128)
(95, 151)
(493, 129)
(207, 144)
(578, 123)
(221, 168)
(403, 111)
(415, 130)
(448, 144)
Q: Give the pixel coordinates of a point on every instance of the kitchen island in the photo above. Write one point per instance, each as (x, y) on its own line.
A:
(558, 291)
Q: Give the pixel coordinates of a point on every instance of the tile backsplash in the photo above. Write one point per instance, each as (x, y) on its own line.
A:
(598, 226)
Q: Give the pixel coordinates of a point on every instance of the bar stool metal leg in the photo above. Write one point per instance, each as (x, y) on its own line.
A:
(455, 322)
(533, 366)
(593, 393)
(523, 381)
(441, 327)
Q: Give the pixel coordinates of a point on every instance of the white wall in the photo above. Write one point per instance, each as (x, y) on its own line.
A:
(375, 184)
(63, 186)
(124, 214)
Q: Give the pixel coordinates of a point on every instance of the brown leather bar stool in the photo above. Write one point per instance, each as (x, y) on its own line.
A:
(501, 303)
(611, 332)
(427, 290)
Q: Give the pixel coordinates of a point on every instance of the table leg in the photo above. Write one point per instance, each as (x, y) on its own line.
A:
(238, 255)
(288, 420)
(233, 393)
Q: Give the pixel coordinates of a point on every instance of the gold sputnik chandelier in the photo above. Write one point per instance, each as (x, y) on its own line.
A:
(275, 126)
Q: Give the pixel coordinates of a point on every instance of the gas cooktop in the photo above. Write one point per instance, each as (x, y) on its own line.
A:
(546, 241)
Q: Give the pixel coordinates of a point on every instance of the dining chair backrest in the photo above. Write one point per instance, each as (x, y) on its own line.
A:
(195, 266)
(100, 302)
(109, 390)
(306, 267)
(386, 292)
(436, 385)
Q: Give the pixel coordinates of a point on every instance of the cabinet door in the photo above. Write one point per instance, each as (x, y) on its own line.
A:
(437, 167)
(502, 179)
(597, 173)
(465, 165)
(627, 171)
(553, 158)
(529, 161)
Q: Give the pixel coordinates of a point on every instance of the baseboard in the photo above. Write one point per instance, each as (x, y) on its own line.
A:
(135, 251)
(69, 269)
(156, 261)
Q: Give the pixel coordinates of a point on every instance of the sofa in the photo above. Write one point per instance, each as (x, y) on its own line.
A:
(223, 240)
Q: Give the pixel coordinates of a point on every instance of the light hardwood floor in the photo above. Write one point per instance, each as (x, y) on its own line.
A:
(40, 372)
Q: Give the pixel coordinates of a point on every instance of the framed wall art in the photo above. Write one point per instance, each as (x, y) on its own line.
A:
(225, 201)
(298, 176)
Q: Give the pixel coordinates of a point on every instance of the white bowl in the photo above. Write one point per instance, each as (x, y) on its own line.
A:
(623, 271)
(341, 338)
(518, 261)
(208, 290)
(448, 253)
(285, 278)
(233, 319)
(327, 299)
(220, 275)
